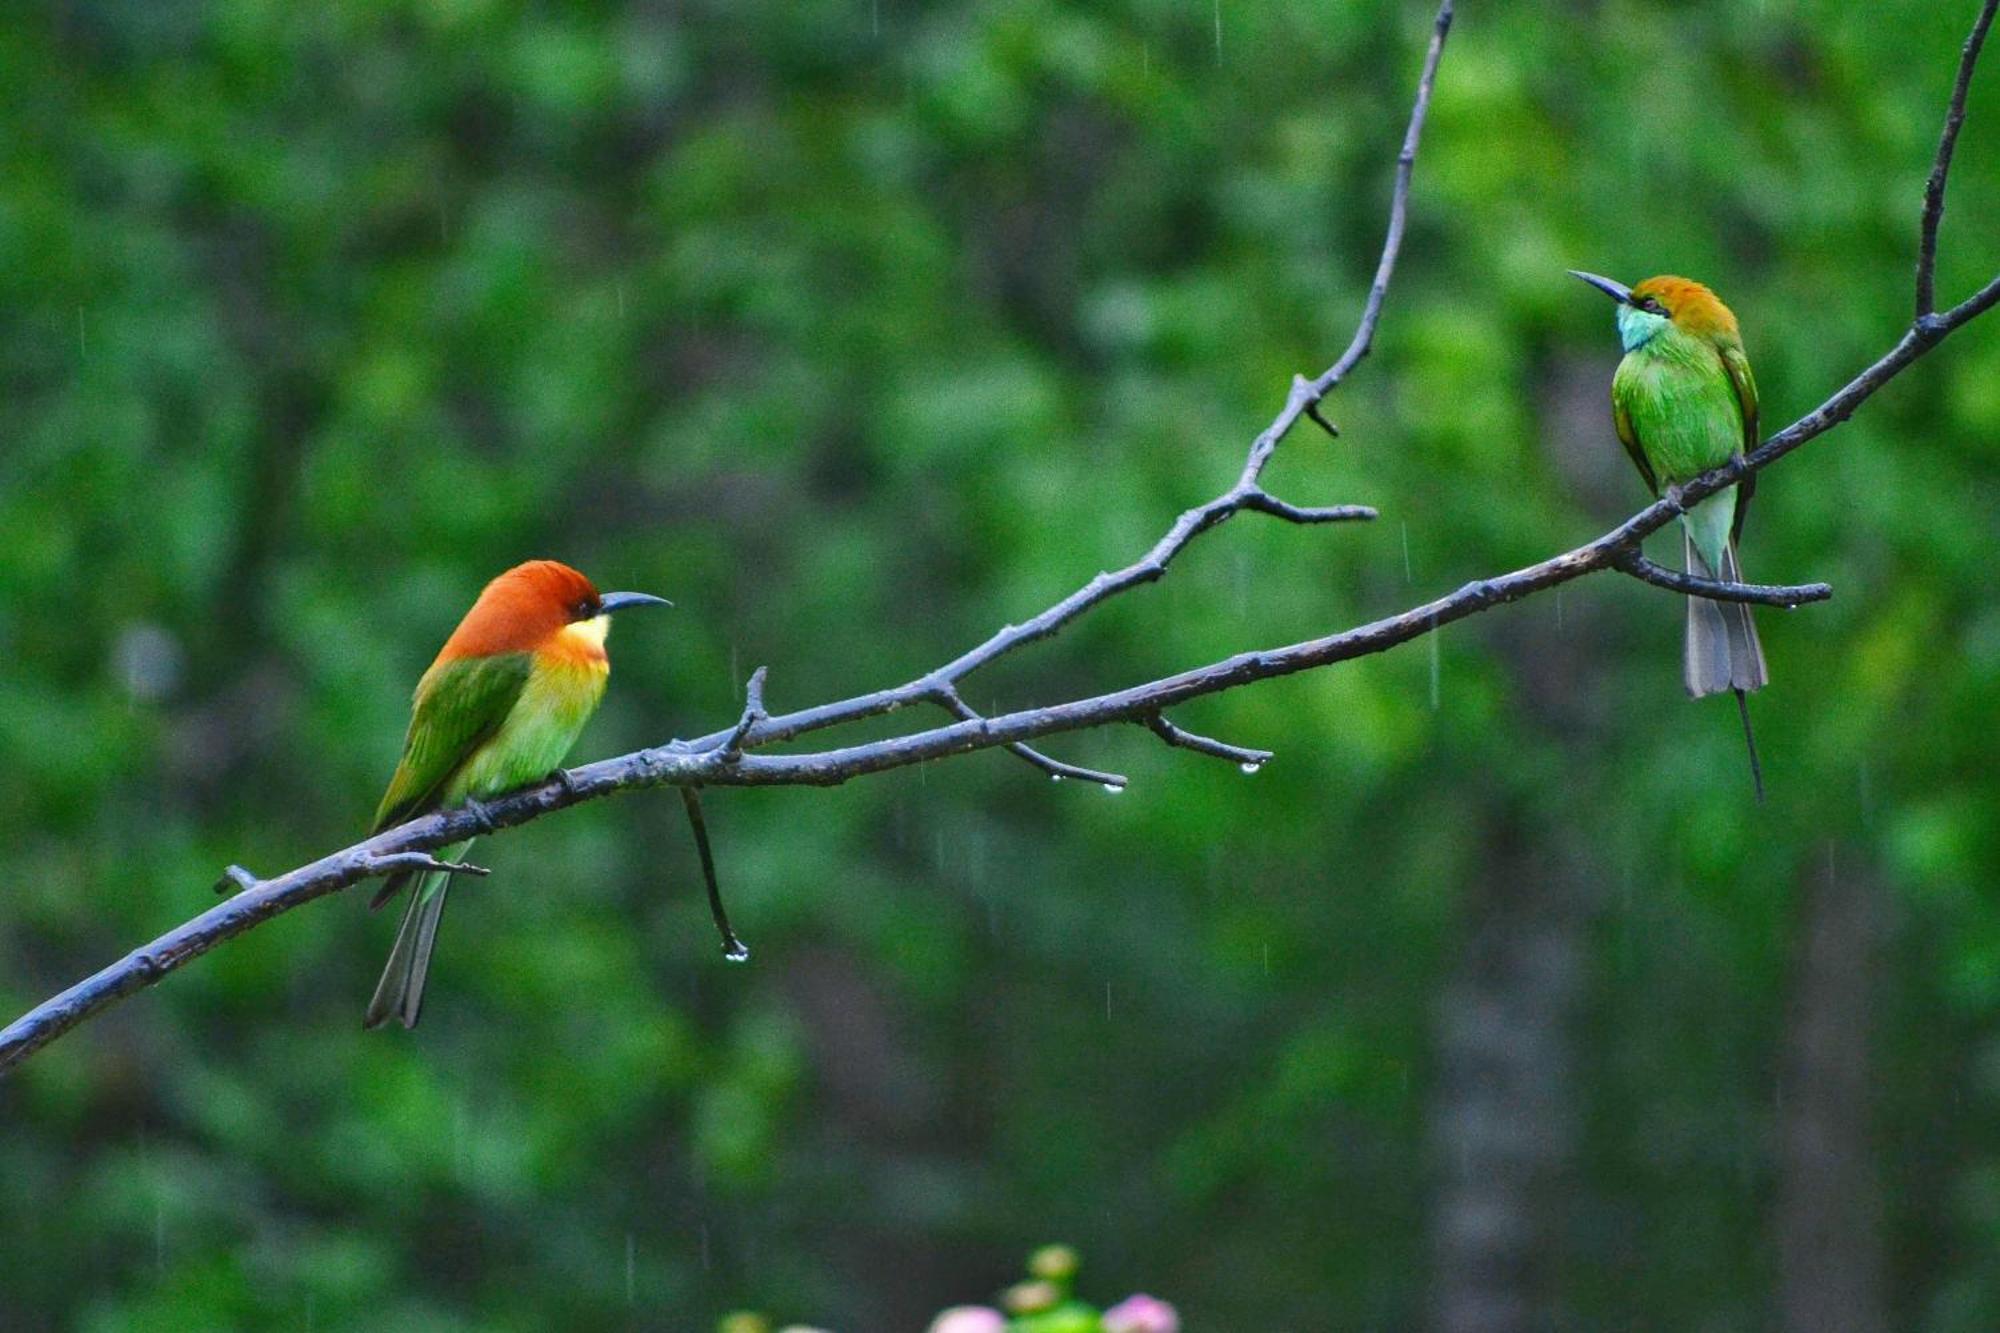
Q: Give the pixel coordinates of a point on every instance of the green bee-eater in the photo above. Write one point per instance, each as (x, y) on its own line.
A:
(1683, 401)
(499, 708)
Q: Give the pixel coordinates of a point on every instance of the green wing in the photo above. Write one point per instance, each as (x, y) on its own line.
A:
(1737, 366)
(459, 705)
(1621, 420)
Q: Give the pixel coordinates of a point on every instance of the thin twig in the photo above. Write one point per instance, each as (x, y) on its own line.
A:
(1265, 503)
(1251, 760)
(733, 948)
(753, 713)
(1716, 590)
(1306, 394)
(955, 704)
(237, 876)
(1954, 117)
(391, 862)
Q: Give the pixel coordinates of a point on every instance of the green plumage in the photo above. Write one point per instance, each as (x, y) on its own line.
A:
(459, 705)
(1684, 403)
(481, 726)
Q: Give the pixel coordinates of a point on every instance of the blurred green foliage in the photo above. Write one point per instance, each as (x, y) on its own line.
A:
(859, 329)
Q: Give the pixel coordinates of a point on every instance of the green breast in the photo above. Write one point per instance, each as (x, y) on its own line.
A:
(1681, 404)
(544, 723)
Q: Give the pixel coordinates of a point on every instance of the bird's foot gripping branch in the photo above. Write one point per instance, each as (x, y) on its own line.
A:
(739, 754)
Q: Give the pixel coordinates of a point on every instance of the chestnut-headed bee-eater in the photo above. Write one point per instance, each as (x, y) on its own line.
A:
(1683, 401)
(500, 707)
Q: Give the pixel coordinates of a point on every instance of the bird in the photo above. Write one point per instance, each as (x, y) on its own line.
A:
(498, 709)
(1683, 401)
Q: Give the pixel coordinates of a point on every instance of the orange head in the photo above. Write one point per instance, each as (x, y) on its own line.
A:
(1647, 308)
(531, 606)
(1692, 307)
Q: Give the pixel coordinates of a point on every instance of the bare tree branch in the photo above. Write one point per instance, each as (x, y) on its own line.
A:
(753, 713)
(1954, 117)
(1250, 759)
(1265, 503)
(956, 705)
(728, 757)
(1762, 594)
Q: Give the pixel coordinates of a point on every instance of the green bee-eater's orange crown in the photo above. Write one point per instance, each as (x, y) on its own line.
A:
(522, 610)
(1692, 307)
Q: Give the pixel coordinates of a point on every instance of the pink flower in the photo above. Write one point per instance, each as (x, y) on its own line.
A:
(1141, 1314)
(969, 1319)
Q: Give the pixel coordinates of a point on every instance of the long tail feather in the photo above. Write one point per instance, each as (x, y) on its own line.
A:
(400, 992)
(1750, 740)
(1723, 650)
(391, 886)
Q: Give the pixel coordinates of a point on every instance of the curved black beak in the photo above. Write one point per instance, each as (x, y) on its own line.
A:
(619, 601)
(1617, 291)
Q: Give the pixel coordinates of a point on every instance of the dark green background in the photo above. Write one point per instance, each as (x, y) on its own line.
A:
(860, 329)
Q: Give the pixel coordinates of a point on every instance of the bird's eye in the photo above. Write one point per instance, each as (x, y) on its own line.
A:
(584, 609)
(1651, 305)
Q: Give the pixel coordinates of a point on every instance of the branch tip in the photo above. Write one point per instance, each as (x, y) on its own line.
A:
(731, 749)
(239, 877)
(1263, 502)
(1954, 120)
(1250, 760)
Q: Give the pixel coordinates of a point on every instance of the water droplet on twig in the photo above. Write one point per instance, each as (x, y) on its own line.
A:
(1249, 767)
